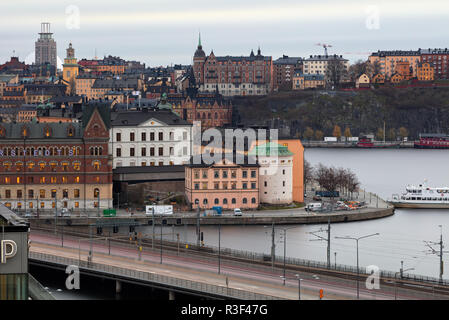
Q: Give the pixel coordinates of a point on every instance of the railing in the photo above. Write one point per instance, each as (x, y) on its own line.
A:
(155, 278)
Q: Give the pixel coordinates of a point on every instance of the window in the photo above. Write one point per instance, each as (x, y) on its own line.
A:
(216, 185)
(64, 179)
(143, 152)
(225, 201)
(204, 186)
(30, 193)
(31, 165)
(118, 152)
(77, 179)
(76, 193)
(65, 166)
(77, 204)
(216, 201)
(161, 151)
(151, 136)
(233, 174)
(283, 183)
(204, 174)
(143, 163)
(131, 152)
(245, 201)
(161, 136)
(205, 201)
(152, 152)
(233, 185)
(197, 186)
(7, 180)
(42, 205)
(216, 174)
(96, 193)
(96, 165)
(225, 185)
(144, 136)
(245, 185)
(225, 174)
(131, 136)
(264, 183)
(42, 180)
(53, 193)
(77, 166)
(41, 166)
(161, 163)
(42, 193)
(233, 201)
(7, 194)
(196, 174)
(65, 193)
(118, 136)
(244, 174)
(253, 174)
(52, 179)
(253, 185)
(253, 200)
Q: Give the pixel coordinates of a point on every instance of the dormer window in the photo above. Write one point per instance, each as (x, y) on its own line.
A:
(70, 131)
(47, 132)
(25, 132)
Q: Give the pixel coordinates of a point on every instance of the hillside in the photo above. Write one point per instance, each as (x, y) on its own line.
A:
(418, 110)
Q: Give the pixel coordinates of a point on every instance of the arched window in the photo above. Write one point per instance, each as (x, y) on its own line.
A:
(233, 201)
(216, 116)
(216, 201)
(225, 201)
(96, 193)
(47, 132)
(245, 201)
(253, 200)
(205, 201)
(70, 131)
(96, 165)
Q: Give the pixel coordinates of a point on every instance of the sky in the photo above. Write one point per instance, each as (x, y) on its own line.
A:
(165, 32)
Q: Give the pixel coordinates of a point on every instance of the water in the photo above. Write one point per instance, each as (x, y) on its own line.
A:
(402, 235)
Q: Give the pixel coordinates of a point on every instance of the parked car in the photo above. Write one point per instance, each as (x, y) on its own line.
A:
(317, 198)
(28, 214)
(65, 212)
(314, 206)
(237, 212)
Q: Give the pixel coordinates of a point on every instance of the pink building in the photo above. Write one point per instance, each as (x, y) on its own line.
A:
(223, 183)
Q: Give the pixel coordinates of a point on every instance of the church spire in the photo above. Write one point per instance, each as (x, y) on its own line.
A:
(199, 40)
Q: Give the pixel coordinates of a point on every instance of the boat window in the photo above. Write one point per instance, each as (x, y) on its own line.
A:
(413, 198)
(419, 198)
(434, 198)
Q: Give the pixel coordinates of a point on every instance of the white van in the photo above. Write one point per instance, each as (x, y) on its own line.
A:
(237, 212)
(315, 206)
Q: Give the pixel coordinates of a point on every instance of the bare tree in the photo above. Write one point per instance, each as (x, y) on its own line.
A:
(308, 174)
(336, 71)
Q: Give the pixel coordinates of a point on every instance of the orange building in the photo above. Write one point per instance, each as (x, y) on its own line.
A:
(426, 72)
(403, 68)
(396, 78)
(389, 59)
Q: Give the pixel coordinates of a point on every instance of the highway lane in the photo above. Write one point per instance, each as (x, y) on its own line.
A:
(333, 287)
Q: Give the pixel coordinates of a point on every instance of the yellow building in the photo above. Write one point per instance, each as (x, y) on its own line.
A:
(388, 60)
(425, 72)
(307, 81)
(378, 78)
(362, 81)
(70, 70)
(397, 78)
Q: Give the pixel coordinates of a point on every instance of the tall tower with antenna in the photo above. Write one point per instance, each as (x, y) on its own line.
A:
(45, 47)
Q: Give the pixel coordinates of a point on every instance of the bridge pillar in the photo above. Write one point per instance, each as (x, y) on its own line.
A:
(118, 287)
(171, 295)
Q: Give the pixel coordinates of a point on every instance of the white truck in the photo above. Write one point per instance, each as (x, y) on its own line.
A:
(159, 210)
(314, 206)
(330, 139)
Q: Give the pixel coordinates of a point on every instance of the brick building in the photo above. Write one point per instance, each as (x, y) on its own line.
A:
(283, 71)
(439, 58)
(62, 164)
(231, 75)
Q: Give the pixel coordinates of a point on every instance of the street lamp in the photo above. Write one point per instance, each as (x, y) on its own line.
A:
(285, 247)
(299, 286)
(401, 271)
(357, 242)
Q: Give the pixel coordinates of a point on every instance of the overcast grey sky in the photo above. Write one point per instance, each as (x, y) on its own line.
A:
(161, 32)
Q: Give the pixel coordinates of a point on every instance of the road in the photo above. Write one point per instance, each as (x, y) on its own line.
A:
(191, 266)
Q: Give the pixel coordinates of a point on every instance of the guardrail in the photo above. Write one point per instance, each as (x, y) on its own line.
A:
(180, 284)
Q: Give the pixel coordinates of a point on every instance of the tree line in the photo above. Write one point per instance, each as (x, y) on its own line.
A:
(331, 178)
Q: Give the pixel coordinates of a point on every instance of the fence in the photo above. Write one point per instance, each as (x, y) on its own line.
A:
(153, 278)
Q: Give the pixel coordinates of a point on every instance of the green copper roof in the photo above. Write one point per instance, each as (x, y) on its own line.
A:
(270, 149)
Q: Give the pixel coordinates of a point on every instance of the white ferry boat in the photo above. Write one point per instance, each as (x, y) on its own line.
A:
(422, 197)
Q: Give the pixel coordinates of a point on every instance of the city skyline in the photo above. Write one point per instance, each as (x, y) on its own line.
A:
(159, 33)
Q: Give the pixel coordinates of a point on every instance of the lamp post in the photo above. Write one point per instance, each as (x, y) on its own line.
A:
(285, 248)
(401, 271)
(357, 243)
(219, 248)
(299, 286)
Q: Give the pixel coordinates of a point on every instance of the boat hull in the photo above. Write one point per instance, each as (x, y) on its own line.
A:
(419, 205)
(420, 146)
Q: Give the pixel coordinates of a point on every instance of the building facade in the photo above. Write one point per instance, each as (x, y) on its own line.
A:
(224, 183)
(275, 173)
(70, 70)
(439, 58)
(283, 71)
(45, 47)
(231, 75)
(388, 60)
(57, 165)
(308, 81)
(426, 71)
(318, 64)
(149, 137)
